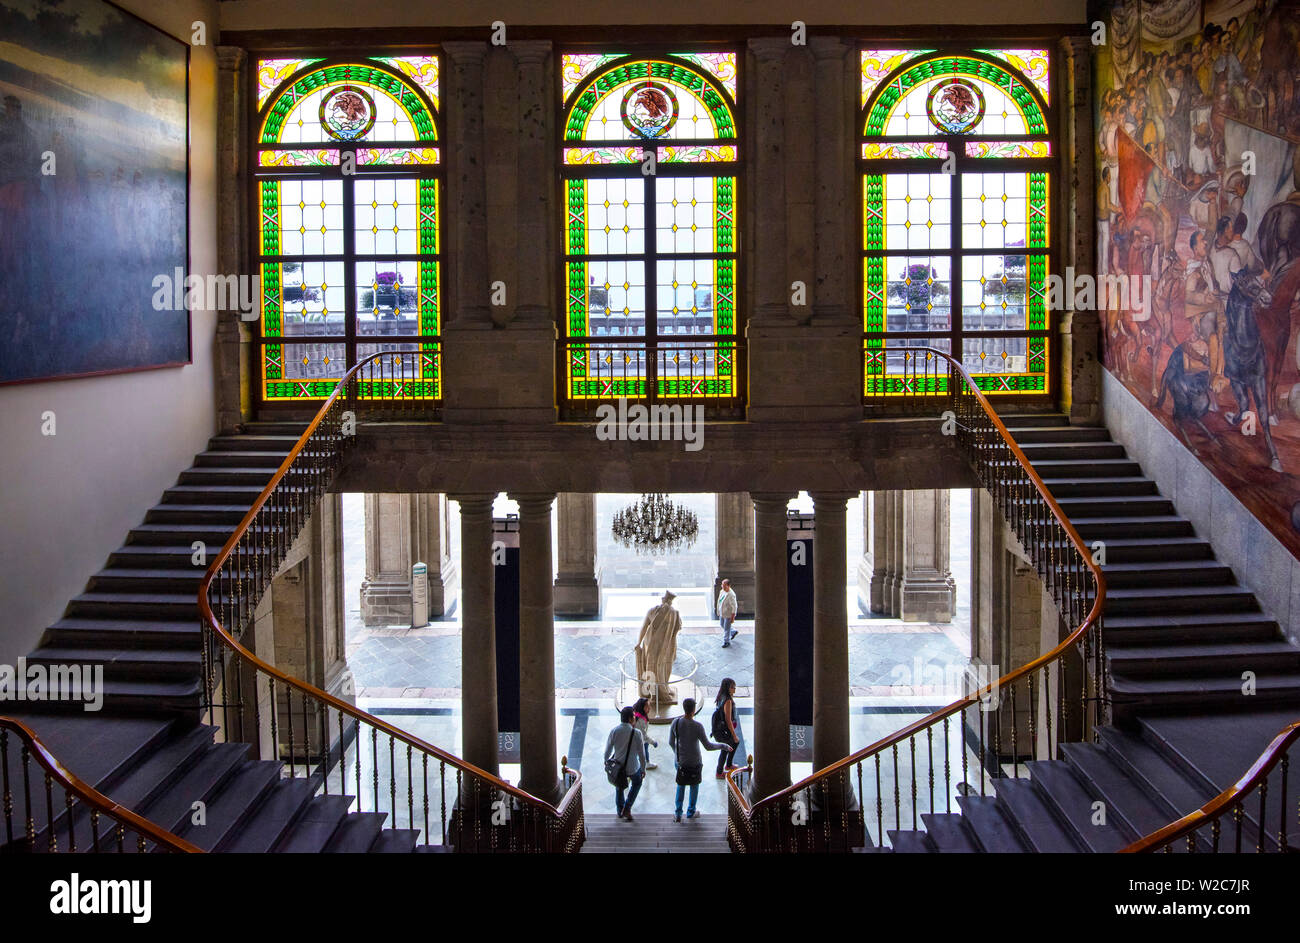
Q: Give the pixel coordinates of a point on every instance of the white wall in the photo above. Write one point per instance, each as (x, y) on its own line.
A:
(67, 501)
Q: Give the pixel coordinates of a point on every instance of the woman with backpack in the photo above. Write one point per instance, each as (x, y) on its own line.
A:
(641, 721)
(726, 725)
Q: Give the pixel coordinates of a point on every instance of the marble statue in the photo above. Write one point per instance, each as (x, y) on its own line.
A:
(656, 650)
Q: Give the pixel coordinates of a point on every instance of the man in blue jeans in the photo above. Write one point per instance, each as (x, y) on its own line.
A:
(685, 737)
(727, 605)
(625, 743)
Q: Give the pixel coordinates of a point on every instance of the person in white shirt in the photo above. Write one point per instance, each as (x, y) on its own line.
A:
(727, 605)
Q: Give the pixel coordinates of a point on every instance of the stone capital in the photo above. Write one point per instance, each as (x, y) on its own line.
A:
(462, 52)
(530, 52)
(831, 500)
(533, 504)
(771, 501)
(231, 58)
(828, 47)
(770, 49)
(474, 504)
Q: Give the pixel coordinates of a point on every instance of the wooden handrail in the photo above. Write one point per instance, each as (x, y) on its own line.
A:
(1193, 821)
(1068, 643)
(206, 615)
(89, 794)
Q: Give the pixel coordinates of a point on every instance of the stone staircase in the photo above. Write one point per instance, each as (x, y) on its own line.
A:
(1179, 632)
(138, 617)
(655, 834)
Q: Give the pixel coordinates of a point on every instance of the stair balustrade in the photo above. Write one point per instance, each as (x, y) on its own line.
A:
(45, 809)
(1268, 829)
(320, 736)
(996, 727)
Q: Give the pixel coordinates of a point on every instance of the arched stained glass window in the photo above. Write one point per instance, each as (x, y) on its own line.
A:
(956, 180)
(348, 188)
(650, 161)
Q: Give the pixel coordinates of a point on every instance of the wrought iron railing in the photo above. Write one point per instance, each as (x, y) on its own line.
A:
(317, 735)
(691, 369)
(49, 809)
(996, 727)
(1266, 828)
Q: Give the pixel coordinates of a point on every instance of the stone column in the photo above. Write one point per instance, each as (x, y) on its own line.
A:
(927, 592)
(800, 326)
(734, 535)
(234, 334)
(830, 629)
(880, 592)
(403, 529)
(866, 565)
(478, 666)
(540, 767)
(771, 647)
(536, 152)
(1078, 331)
(577, 581)
(466, 276)
(507, 271)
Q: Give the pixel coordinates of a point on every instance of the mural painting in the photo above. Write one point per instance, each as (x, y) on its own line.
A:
(1198, 204)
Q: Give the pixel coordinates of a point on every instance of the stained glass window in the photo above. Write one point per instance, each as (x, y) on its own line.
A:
(649, 156)
(348, 179)
(956, 161)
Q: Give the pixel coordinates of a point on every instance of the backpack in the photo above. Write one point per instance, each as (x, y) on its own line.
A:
(721, 732)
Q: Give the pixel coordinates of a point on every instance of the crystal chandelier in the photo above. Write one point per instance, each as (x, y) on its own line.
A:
(655, 525)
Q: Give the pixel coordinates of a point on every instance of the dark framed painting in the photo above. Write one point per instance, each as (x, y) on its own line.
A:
(94, 174)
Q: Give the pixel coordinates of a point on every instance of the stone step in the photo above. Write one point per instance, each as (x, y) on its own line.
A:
(269, 460)
(1085, 467)
(76, 631)
(1075, 807)
(219, 513)
(1127, 804)
(1195, 626)
(1152, 600)
(356, 833)
(1032, 817)
(1026, 435)
(282, 806)
(316, 826)
(173, 808)
(1165, 573)
(1205, 658)
(118, 663)
(205, 476)
(948, 832)
(1139, 526)
(209, 494)
(993, 832)
(1085, 487)
(1155, 695)
(1070, 451)
(1115, 506)
(233, 804)
(283, 444)
(1032, 419)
